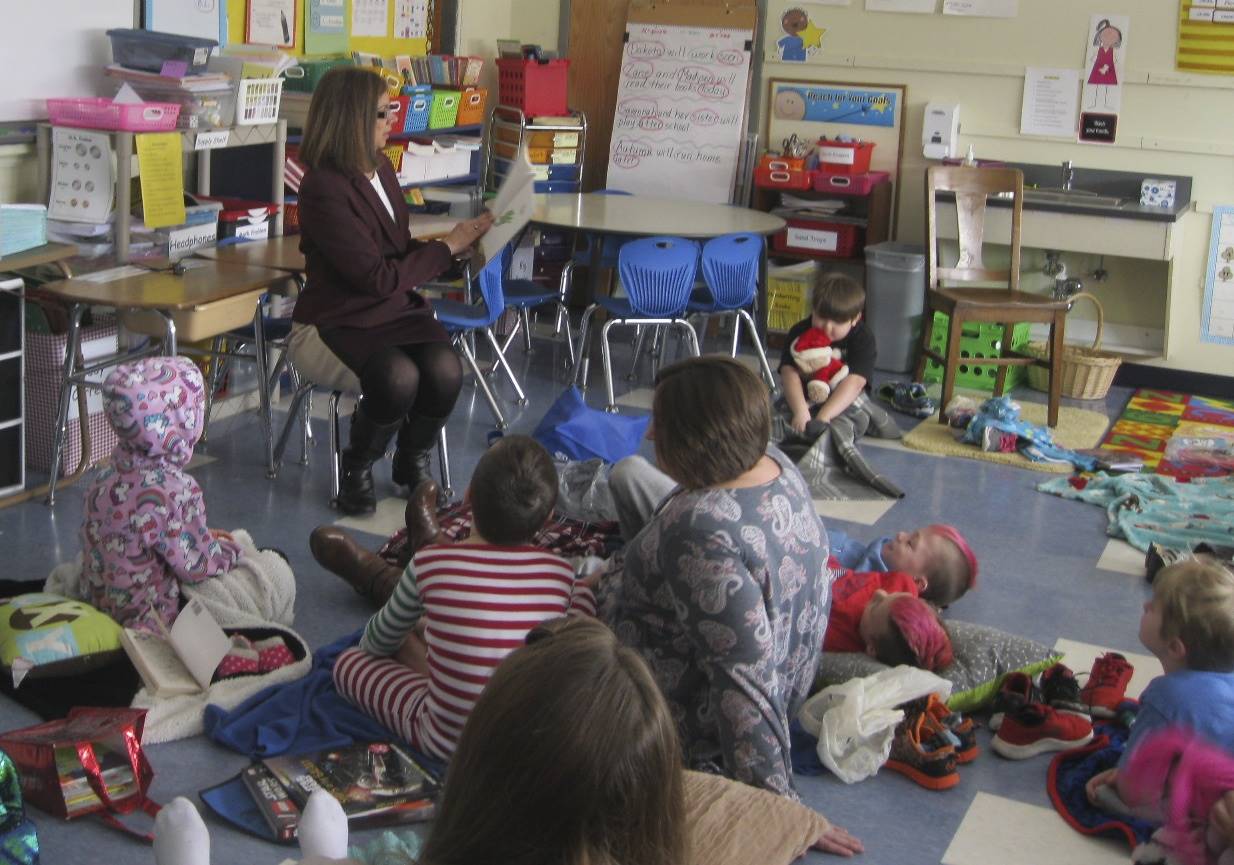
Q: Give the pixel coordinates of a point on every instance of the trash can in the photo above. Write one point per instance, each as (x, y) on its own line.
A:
(895, 295)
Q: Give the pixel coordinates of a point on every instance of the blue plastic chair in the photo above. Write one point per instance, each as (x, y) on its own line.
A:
(463, 320)
(525, 295)
(731, 265)
(658, 273)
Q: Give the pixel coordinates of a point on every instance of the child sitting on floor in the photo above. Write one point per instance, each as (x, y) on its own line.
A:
(1189, 626)
(473, 601)
(938, 555)
(881, 614)
(144, 529)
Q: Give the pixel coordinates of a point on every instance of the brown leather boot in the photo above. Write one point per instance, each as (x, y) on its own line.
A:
(421, 516)
(368, 573)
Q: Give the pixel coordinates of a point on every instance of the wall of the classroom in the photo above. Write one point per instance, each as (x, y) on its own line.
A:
(1171, 123)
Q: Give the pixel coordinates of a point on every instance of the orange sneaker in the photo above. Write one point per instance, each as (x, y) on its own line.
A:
(917, 754)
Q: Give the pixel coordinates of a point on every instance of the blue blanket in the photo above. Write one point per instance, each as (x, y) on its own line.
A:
(1151, 508)
(297, 717)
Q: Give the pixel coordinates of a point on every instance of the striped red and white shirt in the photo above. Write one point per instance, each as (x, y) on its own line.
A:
(478, 602)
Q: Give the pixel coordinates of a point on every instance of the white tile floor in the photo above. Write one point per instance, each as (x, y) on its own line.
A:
(1001, 831)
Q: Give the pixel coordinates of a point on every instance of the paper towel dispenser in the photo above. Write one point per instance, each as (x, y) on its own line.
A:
(940, 129)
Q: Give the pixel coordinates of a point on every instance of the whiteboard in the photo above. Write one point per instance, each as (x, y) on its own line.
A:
(55, 48)
(680, 118)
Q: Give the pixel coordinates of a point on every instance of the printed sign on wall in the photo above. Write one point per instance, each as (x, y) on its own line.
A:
(1102, 96)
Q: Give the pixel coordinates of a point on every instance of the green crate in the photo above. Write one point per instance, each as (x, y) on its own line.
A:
(978, 340)
(444, 109)
(314, 68)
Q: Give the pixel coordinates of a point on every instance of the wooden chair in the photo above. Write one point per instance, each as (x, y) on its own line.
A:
(1006, 306)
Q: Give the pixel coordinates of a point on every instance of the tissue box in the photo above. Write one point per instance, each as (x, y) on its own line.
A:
(1157, 193)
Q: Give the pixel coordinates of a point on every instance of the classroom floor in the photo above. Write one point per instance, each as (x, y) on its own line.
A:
(1048, 571)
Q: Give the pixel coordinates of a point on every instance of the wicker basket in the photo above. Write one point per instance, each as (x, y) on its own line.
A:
(1087, 372)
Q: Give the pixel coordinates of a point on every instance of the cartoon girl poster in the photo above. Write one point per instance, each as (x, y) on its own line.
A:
(1107, 48)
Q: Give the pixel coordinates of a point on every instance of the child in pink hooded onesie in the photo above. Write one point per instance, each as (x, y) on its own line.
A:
(144, 529)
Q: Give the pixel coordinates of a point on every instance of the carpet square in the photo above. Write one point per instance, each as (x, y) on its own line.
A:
(1152, 418)
(997, 829)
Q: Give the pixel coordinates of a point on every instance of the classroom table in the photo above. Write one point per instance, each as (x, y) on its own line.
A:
(162, 292)
(645, 216)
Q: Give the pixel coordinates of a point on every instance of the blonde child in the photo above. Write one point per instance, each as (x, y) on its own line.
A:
(144, 531)
(474, 603)
(1188, 624)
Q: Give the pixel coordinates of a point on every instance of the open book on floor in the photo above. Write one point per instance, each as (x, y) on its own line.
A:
(183, 659)
(511, 208)
(375, 782)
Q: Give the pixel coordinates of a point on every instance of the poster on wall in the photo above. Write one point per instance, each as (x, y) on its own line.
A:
(680, 117)
(271, 22)
(919, 7)
(1217, 323)
(370, 17)
(801, 38)
(410, 19)
(982, 8)
(1051, 102)
(325, 27)
(1101, 98)
(1204, 30)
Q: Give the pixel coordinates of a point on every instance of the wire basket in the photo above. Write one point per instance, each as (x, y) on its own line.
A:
(106, 114)
(257, 100)
(1087, 373)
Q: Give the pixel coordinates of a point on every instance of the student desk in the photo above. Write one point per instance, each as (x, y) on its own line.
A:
(48, 253)
(161, 293)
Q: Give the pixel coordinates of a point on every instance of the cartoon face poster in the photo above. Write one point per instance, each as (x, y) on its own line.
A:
(821, 103)
(802, 37)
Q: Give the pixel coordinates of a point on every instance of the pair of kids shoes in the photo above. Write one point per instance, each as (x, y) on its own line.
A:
(1056, 715)
(908, 397)
(931, 742)
(250, 657)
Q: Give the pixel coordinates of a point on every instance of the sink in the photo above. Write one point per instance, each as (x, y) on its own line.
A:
(1076, 197)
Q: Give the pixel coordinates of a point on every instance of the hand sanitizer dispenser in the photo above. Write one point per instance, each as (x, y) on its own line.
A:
(940, 130)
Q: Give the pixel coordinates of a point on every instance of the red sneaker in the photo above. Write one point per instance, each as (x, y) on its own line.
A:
(1037, 728)
(1107, 685)
(1014, 692)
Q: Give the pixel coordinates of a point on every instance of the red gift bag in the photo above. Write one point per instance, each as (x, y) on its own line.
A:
(90, 762)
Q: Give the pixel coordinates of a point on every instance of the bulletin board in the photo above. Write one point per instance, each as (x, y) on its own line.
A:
(1205, 29)
(387, 46)
(869, 112)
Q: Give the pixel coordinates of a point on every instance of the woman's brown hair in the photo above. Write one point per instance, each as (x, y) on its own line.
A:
(570, 757)
(711, 420)
(338, 132)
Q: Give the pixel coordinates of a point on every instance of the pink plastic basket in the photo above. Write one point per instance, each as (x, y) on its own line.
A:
(105, 114)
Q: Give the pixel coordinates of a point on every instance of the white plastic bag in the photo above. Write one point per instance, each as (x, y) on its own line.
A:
(855, 721)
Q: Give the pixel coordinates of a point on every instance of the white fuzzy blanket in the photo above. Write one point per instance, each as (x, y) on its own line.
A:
(260, 591)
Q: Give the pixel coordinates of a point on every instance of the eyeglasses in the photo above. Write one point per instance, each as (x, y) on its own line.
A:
(383, 113)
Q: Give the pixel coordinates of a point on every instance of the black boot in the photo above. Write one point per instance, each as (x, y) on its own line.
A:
(413, 453)
(367, 445)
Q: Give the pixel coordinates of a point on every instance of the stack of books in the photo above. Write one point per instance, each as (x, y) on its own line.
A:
(22, 227)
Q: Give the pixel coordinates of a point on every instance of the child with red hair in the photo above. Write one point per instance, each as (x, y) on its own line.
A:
(880, 613)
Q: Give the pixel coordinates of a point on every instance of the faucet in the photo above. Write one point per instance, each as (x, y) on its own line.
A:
(1068, 175)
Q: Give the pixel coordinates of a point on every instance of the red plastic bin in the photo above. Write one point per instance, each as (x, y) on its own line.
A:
(248, 220)
(533, 87)
(782, 172)
(844, 157)
(849, 184)
(818, 238)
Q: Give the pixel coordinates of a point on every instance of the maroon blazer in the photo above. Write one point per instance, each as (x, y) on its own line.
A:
(362, 268)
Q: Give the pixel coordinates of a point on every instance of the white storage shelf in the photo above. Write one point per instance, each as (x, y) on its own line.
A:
(12, 388)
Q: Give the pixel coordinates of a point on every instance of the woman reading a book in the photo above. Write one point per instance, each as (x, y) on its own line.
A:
(363, 268)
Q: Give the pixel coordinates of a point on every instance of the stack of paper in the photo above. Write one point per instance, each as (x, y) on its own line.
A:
(795, 205)
(188, 83)
(22, 226)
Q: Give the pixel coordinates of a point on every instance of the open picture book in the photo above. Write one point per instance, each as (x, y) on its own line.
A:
(511, 208)
(181, 660)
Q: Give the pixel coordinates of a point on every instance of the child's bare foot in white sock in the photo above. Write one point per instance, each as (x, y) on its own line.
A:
(180, 836)
(323, 828)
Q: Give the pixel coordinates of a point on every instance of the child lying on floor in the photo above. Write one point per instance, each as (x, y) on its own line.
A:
(1188, 624)
(144, 530)
(473, 601)
(881, 614)
(937, 555)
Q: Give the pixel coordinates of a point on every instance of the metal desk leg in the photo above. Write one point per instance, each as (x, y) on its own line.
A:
(72, 344)
(263, 389)
(169, 334)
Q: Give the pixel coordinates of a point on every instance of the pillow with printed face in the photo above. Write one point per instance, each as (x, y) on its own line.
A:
(983, 656)
(50, 635)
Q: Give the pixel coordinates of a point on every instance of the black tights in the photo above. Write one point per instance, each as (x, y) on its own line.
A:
(422, 379)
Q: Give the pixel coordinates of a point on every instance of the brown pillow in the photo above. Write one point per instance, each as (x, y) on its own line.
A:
(736, 824)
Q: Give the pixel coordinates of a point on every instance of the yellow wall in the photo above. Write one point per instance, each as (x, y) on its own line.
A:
(386, 47)
(1171, 123)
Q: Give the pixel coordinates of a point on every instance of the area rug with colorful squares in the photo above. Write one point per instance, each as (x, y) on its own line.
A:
(1155, 417)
